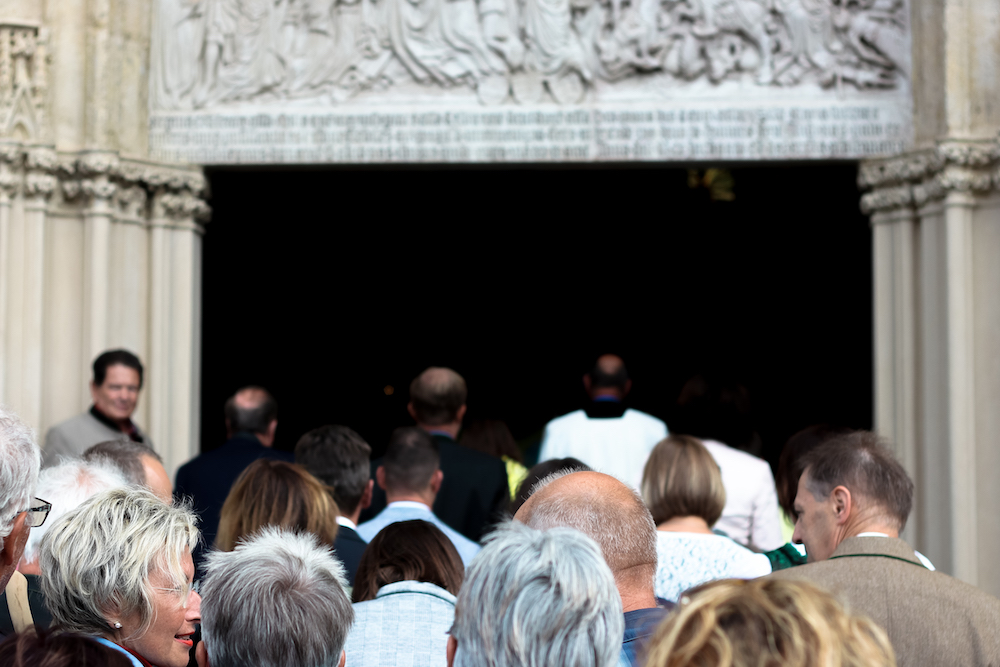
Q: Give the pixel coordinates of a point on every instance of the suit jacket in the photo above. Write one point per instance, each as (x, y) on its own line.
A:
(36, 603)
(473, 493)
(406, 624)
(349, 547)
(207, 478)
(931, 618)
(74, 436)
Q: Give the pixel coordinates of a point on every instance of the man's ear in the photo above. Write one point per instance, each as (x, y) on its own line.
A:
(380, 478)
(343, 659)
(627, 388)
(460, 414)
(450, 652)
(366, 495)
(13, 544)
(436, 480)
(201, 655)
(586, 383)
(843, 504)
(272, 428)
(412, 410)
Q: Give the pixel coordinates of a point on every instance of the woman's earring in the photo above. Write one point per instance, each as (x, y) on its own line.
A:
(118, 625)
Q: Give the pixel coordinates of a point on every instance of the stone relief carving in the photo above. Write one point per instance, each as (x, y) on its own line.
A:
(208, 53)
(924, 176)
(23, 81)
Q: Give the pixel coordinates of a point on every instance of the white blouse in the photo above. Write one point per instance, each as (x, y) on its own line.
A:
(685, 560)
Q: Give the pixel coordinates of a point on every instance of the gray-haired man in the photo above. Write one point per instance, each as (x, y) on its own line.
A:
(537, 598)
(20, 460)
(277, 579)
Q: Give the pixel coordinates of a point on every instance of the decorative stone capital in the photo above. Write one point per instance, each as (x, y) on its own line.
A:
(98, 188)
(920, 177)
(40, 185)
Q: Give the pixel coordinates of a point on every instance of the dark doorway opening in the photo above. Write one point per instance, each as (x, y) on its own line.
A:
(329, 286)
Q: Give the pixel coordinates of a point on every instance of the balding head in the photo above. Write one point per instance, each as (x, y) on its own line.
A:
(608, 377)
(610, 513)
(437, 397)
(252, 410)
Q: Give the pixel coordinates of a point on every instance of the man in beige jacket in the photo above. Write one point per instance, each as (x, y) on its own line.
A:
(853, 500)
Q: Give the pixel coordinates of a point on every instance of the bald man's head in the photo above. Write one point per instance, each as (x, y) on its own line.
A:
(608, 377)
(606, 510)
(437, 396)
(251, 410)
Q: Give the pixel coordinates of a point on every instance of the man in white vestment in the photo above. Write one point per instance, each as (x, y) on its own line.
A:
(606, 435)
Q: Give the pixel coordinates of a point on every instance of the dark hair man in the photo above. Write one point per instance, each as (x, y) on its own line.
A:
(140, 464)
(339, 458)
(251, 421)
(474, 491)
(607, 435)
(411, 477)
(852, 501)
(614, 516)
(114, 391)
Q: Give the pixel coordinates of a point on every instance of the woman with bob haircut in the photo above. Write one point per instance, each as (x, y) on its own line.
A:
(118, 568)
(276, 493)
(682, 487)
(404, 594)
(766, 623)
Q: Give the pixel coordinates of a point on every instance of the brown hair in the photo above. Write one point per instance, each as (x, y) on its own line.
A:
(493, 437)
(790, 466)
(408, 551)
(766, 623)
(36, 647)
(860, 462)
(276, 493)
(682, 479)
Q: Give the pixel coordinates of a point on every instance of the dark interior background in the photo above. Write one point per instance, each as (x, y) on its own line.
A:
(329, 285)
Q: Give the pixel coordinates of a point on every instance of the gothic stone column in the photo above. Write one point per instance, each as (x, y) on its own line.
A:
(936, 219)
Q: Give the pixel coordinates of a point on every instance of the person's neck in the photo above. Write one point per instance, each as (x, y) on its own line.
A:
(451, 430)
(606, 394)
(124, 425)
(685, 524)
(635, 586)
(29, 567)
(426, 498)
(869, 524)
(355, 516)
(263, 438)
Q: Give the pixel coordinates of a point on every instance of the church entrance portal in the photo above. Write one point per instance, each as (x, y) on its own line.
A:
(333, 288)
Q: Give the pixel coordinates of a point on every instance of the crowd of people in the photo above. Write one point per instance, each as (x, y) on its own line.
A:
(626, 544)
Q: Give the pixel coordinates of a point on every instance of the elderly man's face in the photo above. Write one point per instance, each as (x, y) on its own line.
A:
(816, 525)
(117, 395)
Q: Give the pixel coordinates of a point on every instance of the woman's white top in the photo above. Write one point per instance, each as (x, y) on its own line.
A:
(685, 560)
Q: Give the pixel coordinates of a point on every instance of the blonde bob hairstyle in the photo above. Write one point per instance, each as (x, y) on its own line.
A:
(766, 623)
(682, 479)
(277, 493)
(97, 560)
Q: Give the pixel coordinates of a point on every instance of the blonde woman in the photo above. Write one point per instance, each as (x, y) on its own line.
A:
(682, 486)
(766, 623)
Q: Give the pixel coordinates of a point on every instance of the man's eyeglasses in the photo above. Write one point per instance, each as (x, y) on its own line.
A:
(38, 512)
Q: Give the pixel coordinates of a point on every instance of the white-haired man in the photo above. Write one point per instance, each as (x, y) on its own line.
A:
(853, 500)
(537, 598)
(277, 599)
(65, 486)
(614, 516)
(20, 459)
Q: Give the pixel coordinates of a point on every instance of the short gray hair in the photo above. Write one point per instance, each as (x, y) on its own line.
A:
(97, 560)
(275, 579)
(124, 454)
(20, 460)
(66, 486)
(538, 598)
(620, 523)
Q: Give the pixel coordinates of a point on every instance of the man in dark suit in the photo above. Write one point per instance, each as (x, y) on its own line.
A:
(339, 457)
(853, 499)
(474, 490)
(251, 421)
